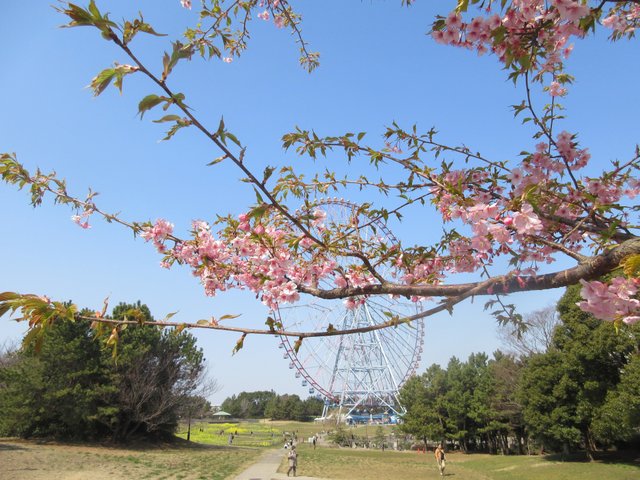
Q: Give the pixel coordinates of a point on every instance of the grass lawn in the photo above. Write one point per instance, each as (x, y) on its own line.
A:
(249, 434)
(26, 460)
(214, 460)
(351, 464)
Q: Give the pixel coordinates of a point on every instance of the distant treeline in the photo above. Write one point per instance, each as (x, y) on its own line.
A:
(73, 388)
(268, 404)
(571, 382)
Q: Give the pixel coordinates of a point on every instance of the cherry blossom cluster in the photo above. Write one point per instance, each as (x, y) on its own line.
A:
(278, 19)
(529, 212)
(82, 219)
(524, 23)
(612, 302)
(502, 221)
(255, 257)
(624, 20)
(158, 234)
(533, 33)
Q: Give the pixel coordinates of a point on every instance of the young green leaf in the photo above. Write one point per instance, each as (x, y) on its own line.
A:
(148, 102)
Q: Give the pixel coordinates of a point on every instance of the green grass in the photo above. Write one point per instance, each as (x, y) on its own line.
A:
(22, 460)
(245, 434)
(349, 464)
(265, 434)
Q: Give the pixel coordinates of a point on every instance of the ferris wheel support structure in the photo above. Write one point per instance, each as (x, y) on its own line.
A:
(358, 374)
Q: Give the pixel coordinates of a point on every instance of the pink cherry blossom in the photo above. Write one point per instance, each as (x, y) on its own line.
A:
(158, 233)
(571, 10)
(526, 221)
(556, 90)
(631, 319)
(613, 301)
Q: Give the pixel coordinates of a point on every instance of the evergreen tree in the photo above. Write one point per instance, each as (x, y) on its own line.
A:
(424, 398)
(73, 389)
(59, 391)
(564, 390)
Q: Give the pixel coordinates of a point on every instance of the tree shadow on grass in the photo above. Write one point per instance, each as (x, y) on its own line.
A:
(5, 447)
(621, 457)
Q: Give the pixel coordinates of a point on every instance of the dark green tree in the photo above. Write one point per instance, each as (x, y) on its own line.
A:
(505, 411)
(424, 398)
(380, 438)
(156, 371)
(564, 390)
(248, 404)
(72, 388)
(312, 408)
(619, 417)
(59, 391)
(291, 407)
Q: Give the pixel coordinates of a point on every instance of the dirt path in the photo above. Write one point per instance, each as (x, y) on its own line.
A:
(266, 468)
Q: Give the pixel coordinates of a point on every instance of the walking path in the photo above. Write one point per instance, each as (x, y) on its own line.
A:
(266, 468)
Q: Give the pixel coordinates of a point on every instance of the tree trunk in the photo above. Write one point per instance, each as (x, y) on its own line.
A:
(565, 450)
(589, 444)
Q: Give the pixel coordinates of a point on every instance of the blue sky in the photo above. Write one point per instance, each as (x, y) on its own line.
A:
(377, 66)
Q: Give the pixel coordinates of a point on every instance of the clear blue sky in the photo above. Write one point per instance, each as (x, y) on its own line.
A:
(377, 65)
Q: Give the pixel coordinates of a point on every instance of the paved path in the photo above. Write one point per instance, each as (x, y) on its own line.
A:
(266, 468)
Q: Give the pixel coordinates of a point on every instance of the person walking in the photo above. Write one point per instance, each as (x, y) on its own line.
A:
(439, 453)
(293, 460)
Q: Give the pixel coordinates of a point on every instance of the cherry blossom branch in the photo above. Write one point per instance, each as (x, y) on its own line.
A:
(13, 172)
(214, 138)
(546, 132)
(561, 248)
(244, 330)
(311, 58)
(376, 219)
(591, 268)
(462, 151)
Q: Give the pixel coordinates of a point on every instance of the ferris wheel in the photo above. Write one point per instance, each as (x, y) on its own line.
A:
(360, 373)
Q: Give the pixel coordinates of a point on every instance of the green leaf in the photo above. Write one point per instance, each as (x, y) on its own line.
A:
(462, 6)
(179, 52)
(102, 81)
(91, 17)
(268, 171)
(220, 130)
(168, 118)
(79, 16)
(115, 74)
(33, 335)
(270, 322)
(630, 266)
(180, 123)
(525, 61)
(239, 344)
(169, 316)
(146, 28)
(217, 160)
(132, 28)
(148, 102)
